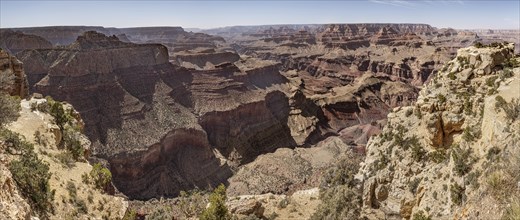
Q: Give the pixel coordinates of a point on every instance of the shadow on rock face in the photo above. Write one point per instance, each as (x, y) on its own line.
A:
(243, 133)
(182, 160)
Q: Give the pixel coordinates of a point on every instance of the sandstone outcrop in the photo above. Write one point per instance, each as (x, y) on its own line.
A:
(12, 204)
(12, 75)
(73, 197)
(435, 158)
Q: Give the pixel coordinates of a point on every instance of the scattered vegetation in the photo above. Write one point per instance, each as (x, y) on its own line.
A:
(64, 118)
(192, 203)
(343, 172)
(73, 144)
(283, 203)
(130, 214)
(81, 206)
(99, 176)
(217, 209)
(463, 60)
(441, 98)
(506, 73)
(513, 210)
(66, 159)
(511, 63)
(492, 153)
(452, 76)
(418, 113)
(30, 173)
(458, 194)
(341, 202)
(479, 45)
(511, 109)
(418, 152)
(491, 81)
(421, 216)
(340, 196)
(467, 135)
(472, 179)
(462, 160)
(412, 185)
(408, 112)
(438, 156)
(161, 212)
(9, 108)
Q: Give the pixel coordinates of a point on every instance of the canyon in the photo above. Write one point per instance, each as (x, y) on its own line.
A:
(266, 110)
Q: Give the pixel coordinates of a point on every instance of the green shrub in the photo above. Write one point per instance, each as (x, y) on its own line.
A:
(340, 202)
(408, 112)
(412, 185)
(500, 102)
(73, 144)
(513, 210)
(468, 106)
(458, 194)
(32, 177)
(452, 76)
(57, 111)
(506, 73)
(441, 98)
(462, 160)
(468, 135)
(130, 214)
(479, 45)
(512, 109)
(438, 156)
(339, 193)
(382, 162)
(66, 159)
(421, 216)
(217, 209)
(100, 176)
(492, 153)
(191, 203)
(511, 63)
(472, 179)
(15, 145)
(491, 81)
(418, 153)
(9, 108)
(343, 172)
(418, 113)
(283, 203)
(462, 60)
(161, 212)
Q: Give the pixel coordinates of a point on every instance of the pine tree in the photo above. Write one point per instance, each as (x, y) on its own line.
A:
(217, 209)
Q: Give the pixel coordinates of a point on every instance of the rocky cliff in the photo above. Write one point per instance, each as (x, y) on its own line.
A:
(220, 117)
(50, 184)
(15, 41)
(199, 112)
(454, 151)
(12, 75)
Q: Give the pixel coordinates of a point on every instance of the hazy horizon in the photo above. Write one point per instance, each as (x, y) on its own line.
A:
(504, 14)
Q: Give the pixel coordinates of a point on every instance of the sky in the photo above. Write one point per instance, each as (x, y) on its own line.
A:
(459, 14)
